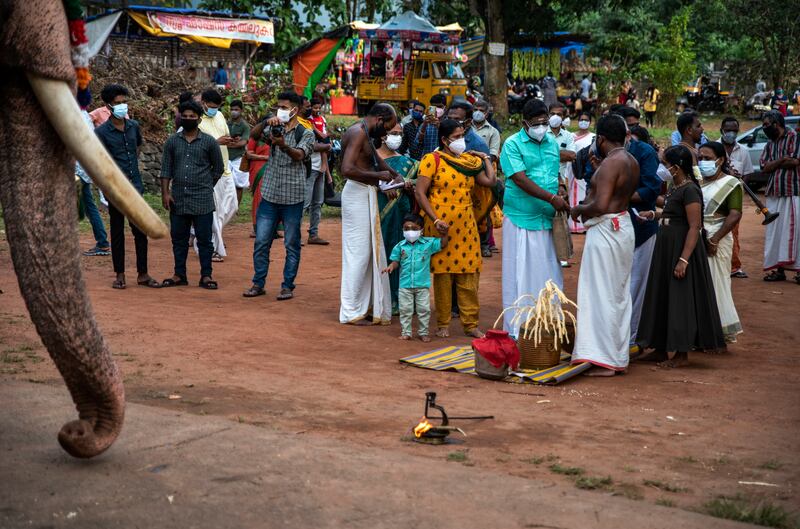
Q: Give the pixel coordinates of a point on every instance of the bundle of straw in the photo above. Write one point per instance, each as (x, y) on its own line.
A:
(547, 313)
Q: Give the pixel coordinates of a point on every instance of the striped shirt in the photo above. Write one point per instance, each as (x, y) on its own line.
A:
(285, 178)
(194, 169)
(783, 182)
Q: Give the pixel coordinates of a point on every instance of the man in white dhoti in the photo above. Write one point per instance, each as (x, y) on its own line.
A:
(604, 301)
(781, 159)
(226, 205)
(365, 295)
(239, 131)
(530, 161)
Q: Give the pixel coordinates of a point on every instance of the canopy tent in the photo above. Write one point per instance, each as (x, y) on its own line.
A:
(409, 26)
(472, 48)
(212, 28)
(311, 60)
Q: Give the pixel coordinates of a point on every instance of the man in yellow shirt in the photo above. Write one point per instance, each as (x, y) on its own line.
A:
(213, 123)
(651, 104)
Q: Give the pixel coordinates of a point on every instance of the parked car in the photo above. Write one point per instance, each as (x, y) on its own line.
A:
(753, 141)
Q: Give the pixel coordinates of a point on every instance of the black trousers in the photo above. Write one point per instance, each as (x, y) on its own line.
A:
(118, 242)
(180, 228)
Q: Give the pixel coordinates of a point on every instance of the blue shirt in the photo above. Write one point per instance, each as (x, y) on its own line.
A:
(648, 189)
(540, 162)
(123, 146)
(475, 142)
(428, 145)
(221, 77)
(415, 261)
(675, 138)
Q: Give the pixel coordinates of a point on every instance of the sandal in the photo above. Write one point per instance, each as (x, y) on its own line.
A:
(217, 258)
(253, 292)
(119, 284)
(285, 294)
(170, 282)
(209, 284)
(150, 283)
(775, 275)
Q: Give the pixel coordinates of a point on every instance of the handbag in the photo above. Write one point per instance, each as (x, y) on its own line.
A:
(562, 238)
(244, 165)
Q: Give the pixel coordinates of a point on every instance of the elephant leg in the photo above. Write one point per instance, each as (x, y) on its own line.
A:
(38, 196)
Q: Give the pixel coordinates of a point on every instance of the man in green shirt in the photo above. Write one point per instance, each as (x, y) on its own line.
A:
(530, 160)
(239, 132)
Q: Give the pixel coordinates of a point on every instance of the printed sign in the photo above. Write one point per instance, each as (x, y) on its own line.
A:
(224, 28)
(497, 48)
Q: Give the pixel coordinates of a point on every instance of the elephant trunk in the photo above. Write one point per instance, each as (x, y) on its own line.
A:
(38, 196)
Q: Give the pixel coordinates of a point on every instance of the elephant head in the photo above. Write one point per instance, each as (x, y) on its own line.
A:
(40, 131)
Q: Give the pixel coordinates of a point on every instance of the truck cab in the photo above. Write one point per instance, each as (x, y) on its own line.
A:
(426, 75)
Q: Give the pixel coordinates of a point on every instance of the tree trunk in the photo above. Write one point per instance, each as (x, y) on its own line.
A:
(495, 79)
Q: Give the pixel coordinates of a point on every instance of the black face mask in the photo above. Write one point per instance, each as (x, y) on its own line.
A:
(772, 132)
(307, 113)
(189, 124)
(378, 132)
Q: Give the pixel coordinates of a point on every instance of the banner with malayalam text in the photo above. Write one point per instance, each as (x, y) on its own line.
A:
(253, 30)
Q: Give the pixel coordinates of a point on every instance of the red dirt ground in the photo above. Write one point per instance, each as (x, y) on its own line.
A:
(291, 366)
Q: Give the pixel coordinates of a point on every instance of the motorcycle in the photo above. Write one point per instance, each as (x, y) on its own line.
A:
(517, 101)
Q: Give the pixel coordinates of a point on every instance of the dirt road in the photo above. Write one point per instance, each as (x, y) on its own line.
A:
(676, 437)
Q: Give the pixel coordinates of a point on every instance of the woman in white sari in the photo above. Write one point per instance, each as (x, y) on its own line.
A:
(722, 198)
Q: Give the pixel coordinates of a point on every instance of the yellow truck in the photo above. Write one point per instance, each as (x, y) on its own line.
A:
(426, 75)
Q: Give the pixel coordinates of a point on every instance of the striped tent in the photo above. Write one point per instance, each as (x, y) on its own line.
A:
(472, 47)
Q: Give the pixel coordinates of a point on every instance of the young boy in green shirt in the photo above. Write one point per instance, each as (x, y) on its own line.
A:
(413, 257)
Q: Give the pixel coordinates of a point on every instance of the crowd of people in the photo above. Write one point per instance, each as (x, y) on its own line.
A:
(423, 194)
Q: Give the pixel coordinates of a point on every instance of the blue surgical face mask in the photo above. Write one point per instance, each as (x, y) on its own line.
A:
(707, 167)
(478, 116)
(211, 112)
(120, 111)
(416, 115)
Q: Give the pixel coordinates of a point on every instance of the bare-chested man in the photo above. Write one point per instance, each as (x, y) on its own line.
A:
(604, 300)
(365, 295)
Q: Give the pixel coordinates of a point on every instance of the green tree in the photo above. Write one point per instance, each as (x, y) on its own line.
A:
(673, 60)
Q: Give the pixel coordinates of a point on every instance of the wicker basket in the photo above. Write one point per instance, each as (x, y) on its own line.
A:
(535, 357)
(484, 368)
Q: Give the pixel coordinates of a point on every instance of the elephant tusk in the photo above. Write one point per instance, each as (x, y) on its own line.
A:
(63, 113)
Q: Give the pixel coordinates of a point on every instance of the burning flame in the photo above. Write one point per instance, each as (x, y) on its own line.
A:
(423, 426)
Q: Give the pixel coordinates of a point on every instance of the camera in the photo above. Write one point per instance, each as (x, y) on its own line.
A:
(277, 131)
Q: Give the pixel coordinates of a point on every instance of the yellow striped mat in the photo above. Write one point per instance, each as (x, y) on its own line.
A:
(461, 359)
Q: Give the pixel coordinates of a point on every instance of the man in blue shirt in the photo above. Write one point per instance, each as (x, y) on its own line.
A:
(530, 160)
(122, 139)
(643, 199)
(427, 138)
(221, 76)
(676, 136)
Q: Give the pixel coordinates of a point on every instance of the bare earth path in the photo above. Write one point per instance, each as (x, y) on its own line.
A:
(679, 437)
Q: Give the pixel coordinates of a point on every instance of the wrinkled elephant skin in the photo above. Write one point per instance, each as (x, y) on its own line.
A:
(38, 196)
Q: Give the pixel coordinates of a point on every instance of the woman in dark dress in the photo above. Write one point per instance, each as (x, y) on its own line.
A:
(680, 309)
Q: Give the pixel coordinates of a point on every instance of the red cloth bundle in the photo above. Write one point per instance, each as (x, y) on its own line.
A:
(498, 348)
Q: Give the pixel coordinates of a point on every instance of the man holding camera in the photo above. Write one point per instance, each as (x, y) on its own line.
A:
(283, 192)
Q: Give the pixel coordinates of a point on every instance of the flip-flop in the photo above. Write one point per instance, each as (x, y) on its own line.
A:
(169, 282)
(775, 276)
(150, 283)
(209, 285)
(118, 284)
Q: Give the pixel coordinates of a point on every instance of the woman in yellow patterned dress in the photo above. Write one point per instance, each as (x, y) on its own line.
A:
(445, 180)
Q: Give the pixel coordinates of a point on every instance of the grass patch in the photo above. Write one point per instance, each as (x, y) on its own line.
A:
(628, 490)
(741, 510)
(661, 485)
(665, 502)
(566, 471)
(686, 459)
(593, 483)
(458, 457)
(535, 460)
(629, 469)
(772, 464)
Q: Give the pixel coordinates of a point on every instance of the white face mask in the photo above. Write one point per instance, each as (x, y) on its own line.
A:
(663, 173)
(393, 141)
(566, 123)
(707, 167)
(458, 146)
(439, 112)
(583, 125)
(555, 121)
(284, 115)
(537, 132)
(412, 236)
